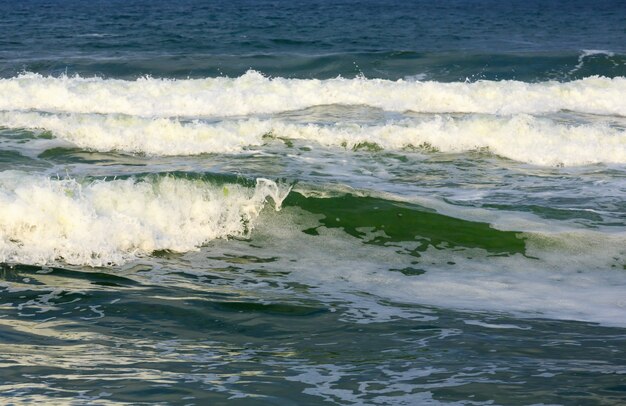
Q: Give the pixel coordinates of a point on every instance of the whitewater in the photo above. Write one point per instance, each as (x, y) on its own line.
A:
(254, 93)
(516, 120)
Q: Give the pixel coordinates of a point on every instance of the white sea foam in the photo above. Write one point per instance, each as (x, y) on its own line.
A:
(494, 326)
(104, 222)
(590, 52)
(521, 137)
(253, 93)
(571, 275)
(159, 136)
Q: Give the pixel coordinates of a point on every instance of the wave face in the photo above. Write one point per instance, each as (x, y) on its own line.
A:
(254, 93)
(110, 222)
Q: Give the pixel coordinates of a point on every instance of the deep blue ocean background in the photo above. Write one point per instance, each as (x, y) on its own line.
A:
(313, 202)
(448, 40)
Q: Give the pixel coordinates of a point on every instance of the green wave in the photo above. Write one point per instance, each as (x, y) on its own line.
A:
(402, 222)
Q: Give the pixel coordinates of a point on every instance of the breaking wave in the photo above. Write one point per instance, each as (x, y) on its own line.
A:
(521, 137)
(253, 93)
(109, 222)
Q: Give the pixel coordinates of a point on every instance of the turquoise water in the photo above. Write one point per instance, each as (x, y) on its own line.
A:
(352, 203)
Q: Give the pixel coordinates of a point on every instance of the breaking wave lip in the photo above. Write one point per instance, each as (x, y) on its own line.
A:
(521, 137)
(45, 220)
(586, 53)
(253, 93)
(590, 52)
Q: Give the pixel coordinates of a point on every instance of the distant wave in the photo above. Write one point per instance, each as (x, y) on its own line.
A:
(586, 54)
(442, 66)
(521, 137)
(253, 93)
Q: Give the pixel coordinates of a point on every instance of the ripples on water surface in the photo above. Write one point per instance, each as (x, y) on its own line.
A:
(396, 204)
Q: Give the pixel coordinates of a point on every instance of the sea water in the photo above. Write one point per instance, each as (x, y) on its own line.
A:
(299, 203)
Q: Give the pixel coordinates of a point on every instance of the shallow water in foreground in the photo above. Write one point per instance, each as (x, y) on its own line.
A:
(159, 334)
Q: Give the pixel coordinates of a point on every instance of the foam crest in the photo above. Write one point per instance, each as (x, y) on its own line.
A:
(253, 93)
(159, 136)
(522, 137)
(106, 222)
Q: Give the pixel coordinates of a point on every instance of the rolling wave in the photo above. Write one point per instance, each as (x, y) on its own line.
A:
(521, 137)
(253, 93)
(110, 222)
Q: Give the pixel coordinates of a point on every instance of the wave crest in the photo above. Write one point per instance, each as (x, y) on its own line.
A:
(253, 93)
(109, 222)
(521, 137)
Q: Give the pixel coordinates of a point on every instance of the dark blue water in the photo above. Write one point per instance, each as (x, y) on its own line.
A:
(313, 202)
(448, 40)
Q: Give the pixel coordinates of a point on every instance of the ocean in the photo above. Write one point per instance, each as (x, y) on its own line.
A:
(313, 202)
